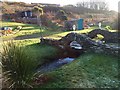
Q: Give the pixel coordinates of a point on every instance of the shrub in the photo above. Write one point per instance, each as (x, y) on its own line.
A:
(36, 8)
(18, 66)
(61, 15)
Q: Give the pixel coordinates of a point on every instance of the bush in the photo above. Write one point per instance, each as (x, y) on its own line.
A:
(36, 8)
(68, 25)
(61, 15)
(18, 66)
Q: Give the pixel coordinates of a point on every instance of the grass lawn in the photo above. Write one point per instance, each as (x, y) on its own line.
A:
(30, 31)
(88, 70)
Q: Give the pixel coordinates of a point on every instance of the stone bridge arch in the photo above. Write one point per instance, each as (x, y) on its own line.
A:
(108, 36)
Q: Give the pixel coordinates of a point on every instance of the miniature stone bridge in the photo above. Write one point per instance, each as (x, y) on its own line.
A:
(109, 37)
(84, 41)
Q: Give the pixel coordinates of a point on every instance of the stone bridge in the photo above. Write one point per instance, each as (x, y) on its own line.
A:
(109, 37)
(86, 42)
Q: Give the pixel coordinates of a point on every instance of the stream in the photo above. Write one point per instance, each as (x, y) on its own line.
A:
(54, 65)
(66, 56)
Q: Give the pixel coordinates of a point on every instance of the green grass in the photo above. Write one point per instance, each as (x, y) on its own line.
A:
(41, 53)
(30, 31)
(88, 71)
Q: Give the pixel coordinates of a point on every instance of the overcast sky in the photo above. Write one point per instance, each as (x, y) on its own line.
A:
(113, 4)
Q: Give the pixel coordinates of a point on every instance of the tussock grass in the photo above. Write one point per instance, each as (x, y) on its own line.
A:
(18, 66)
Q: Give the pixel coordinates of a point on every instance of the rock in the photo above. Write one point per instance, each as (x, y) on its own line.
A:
(109, 37)
(78, 43)
(75, 45)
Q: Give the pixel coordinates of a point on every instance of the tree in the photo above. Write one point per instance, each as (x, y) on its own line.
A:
(93, 5)
(103, 6)
(61, 15)
(39, 13)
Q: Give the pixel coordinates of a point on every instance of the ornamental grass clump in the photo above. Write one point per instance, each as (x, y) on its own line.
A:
(18, 66)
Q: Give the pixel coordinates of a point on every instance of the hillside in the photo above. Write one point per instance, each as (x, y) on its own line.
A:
(12, 11)
(15, 11)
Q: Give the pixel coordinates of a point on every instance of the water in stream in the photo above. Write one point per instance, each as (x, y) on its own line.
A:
(56, 64)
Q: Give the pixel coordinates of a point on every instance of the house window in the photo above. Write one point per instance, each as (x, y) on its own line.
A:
(27, 14)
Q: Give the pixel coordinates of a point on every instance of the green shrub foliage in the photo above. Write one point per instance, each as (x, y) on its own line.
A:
(61, 15)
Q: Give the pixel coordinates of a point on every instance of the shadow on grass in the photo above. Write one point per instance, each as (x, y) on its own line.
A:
(35, 35)
(31, 36)
(31, 28)
(24, 25)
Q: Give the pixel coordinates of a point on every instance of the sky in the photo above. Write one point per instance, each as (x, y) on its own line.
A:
(113, 4)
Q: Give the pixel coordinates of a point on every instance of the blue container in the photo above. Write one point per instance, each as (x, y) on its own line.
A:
(80, 24)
